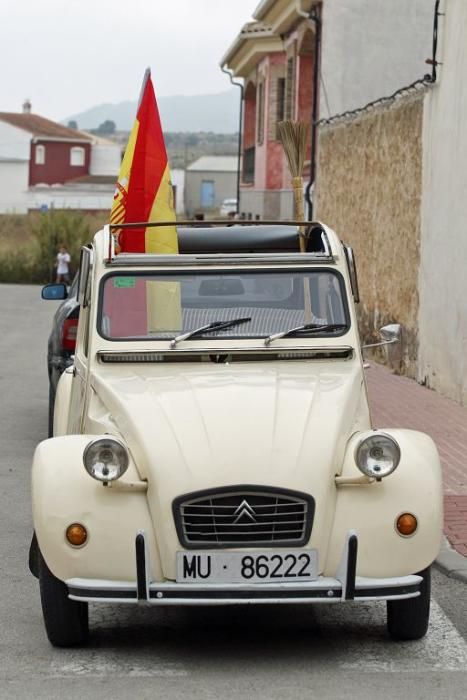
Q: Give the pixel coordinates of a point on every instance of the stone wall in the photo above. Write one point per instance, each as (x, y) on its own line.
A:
(369, 182)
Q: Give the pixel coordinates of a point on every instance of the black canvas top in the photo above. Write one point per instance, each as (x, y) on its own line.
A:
(246, 239)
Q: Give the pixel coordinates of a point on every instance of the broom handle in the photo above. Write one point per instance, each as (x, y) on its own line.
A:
(297, 184)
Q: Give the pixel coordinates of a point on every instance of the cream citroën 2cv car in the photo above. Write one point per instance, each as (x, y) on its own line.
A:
(213, 443)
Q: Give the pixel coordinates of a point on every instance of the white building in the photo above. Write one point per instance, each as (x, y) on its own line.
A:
(208, 181)
(443, 245)
(370, 48)
(15, 148)
(178, 181)
(45, 164)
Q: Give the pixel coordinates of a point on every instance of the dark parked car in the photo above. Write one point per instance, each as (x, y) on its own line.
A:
(61, 343)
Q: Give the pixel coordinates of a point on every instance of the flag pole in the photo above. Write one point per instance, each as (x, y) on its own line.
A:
(146, 77)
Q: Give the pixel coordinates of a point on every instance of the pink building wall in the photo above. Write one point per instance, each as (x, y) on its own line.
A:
(271, 170)
(269, 159)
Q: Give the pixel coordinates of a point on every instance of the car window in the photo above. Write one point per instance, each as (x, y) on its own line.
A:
(162, 306)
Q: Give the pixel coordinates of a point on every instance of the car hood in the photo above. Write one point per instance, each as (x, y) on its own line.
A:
(239, 422)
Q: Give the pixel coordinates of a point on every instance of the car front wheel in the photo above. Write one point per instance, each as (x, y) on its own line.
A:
(408, 619)
(66, 621)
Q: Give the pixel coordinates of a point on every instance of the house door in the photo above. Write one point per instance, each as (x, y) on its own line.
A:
(207, 194)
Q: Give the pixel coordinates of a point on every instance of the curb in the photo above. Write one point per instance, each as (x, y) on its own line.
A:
(451, 563)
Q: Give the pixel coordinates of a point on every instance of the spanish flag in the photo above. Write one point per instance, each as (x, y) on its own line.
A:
(144, 194)
(144, 191)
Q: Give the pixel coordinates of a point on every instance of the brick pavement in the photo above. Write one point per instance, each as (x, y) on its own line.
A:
(401, 402)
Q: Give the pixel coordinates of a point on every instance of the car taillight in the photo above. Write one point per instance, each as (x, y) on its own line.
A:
(69, 332)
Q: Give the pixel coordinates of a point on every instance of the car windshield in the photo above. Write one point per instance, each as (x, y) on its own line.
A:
(163, 306)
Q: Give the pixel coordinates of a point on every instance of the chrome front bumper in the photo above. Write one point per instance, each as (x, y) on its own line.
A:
(346, 586)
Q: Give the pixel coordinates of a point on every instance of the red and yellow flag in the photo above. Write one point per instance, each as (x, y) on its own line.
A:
(144, 194)
(144, 191)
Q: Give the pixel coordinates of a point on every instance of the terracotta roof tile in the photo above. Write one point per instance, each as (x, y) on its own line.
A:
(41, 127)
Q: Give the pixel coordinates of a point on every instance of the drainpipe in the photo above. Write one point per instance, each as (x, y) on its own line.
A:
(315, 16)
(239, 85)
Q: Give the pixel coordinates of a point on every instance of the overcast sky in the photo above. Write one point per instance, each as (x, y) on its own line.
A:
(68, 55)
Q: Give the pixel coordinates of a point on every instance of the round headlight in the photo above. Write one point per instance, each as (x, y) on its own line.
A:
(377, 455)
(105, 459)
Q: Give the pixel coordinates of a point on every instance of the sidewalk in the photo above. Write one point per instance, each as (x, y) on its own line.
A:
(401, 402)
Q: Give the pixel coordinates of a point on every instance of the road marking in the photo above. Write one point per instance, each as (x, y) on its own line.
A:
(92, 664)
(443, 648)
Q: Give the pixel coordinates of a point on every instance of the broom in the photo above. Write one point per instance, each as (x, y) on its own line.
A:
(294, 138)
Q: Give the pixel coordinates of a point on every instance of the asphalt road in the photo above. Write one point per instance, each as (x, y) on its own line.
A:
(292, 652)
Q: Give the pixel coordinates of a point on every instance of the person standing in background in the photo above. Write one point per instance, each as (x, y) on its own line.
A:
(63, 264)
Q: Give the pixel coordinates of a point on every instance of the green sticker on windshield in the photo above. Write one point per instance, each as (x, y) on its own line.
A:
(124, 282)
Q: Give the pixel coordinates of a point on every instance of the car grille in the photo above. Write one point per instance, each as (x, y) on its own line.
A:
(244, 517)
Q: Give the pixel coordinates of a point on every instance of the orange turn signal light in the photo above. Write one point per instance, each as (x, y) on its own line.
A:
(406, 524)
(76, 534)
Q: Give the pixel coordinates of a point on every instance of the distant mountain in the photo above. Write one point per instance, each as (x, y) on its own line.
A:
(218, 113)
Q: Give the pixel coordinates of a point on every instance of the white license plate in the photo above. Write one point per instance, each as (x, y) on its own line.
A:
(272, 566)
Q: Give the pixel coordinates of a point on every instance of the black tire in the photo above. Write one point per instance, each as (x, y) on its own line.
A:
(408, 619)
(51, 409)
(34, 556)
(66, 621)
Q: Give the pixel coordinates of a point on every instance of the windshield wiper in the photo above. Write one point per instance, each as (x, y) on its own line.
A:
(309, 327)
(214, 326)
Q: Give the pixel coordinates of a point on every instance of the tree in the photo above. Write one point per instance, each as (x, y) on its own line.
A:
(107, 127)
(72, 124)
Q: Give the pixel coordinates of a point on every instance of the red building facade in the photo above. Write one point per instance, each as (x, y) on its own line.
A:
(276, 57)
(54, 162)
(57, 154)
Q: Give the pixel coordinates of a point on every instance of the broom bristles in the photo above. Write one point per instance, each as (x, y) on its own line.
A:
(294, 138)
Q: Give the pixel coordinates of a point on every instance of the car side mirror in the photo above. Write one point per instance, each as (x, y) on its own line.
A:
(391, 333)
(392, 340)
(54, 292)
